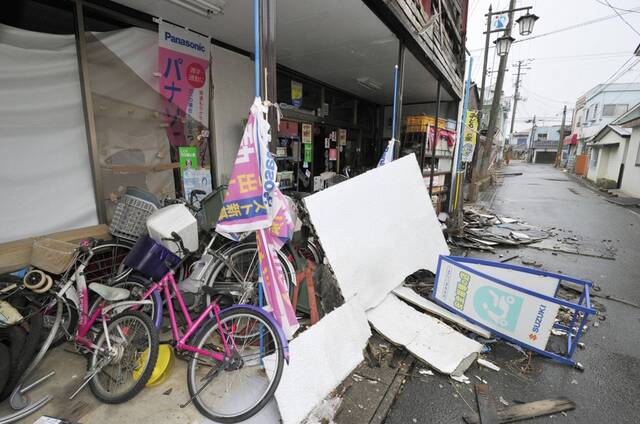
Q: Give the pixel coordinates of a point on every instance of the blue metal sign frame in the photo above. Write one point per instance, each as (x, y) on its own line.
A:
(580, 311)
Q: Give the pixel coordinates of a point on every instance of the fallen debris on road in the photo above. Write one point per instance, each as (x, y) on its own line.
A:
(525, 411)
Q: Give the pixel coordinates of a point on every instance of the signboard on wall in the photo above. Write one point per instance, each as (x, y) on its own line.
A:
(307, 133)
(296, 93)
(469, 135)
(342, 137)
(188, 156)
(183, 65)
(519, 314)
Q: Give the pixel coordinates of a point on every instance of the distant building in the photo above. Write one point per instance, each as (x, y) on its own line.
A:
(520, 138)
(543, 144)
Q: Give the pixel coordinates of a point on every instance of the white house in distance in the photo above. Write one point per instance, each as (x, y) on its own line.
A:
(607, 156)
(597, 108)
(629, 182)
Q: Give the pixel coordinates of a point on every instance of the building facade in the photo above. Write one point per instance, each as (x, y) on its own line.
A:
(102, 113)
(600, 106)
(543, 144)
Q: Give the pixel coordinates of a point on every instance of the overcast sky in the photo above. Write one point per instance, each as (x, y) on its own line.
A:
(566, 64)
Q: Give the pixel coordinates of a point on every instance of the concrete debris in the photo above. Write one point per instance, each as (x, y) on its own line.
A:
(461, 379)
(482, 380)
(318, 366)
(488, 364)
(412, 297)
(427, 338)
(484, 230)
(503, 401)
(324, 412)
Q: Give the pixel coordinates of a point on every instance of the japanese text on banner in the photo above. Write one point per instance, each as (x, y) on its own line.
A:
(183, 65)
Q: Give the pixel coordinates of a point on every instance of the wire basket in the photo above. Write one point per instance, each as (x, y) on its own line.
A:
(53, 256)
(130, 215)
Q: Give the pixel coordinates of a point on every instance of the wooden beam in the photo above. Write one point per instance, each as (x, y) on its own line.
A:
(486, 409)
(527, 410)
(141, 169)
(17, 254)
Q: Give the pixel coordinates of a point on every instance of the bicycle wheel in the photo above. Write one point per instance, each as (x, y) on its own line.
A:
(241, 269)
(123, 370)
(241, 386)
(68, 325)
(106, 265)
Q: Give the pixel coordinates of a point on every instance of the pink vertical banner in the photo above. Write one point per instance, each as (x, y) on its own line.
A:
(183, 65)
(253, 202)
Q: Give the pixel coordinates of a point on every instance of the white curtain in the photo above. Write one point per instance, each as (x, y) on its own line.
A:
(45, 173)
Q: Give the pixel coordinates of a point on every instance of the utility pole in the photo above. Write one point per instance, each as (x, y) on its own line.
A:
(533, 130)
(503, 43)
(495, 105)
(561, 141)
(484, 65)
(516, 97)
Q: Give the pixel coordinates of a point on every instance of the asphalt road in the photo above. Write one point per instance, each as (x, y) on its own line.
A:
(608, 390)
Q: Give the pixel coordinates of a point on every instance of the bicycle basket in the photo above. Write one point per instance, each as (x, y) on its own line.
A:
(52, 256)
(150, 258)
(131, 213)
(211, 205)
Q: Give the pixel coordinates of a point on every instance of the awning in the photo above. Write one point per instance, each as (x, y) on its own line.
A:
(571, 139)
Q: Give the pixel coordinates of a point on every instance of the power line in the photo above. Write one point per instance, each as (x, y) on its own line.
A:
(616, 8)
(546, 98)
(579, 25)
(620, 16)
(602, 55)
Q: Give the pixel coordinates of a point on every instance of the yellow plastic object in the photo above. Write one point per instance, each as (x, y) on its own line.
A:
(163, 367)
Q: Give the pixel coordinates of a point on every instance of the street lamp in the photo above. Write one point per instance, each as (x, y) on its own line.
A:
(503, 44)
(526, 23)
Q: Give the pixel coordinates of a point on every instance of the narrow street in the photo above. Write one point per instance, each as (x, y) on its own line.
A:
(607, 390)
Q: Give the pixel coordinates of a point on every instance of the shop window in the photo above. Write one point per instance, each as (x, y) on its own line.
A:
(341, 107)
(141, 134)
(44, 164)
(298, 93)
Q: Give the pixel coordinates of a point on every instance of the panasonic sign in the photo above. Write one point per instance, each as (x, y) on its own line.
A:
(183, 42)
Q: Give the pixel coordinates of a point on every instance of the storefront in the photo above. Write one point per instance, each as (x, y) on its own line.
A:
(89, 102)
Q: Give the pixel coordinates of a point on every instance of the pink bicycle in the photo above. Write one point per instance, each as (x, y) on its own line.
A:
(241, 348)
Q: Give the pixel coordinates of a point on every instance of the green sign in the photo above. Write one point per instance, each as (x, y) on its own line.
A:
(188, 158)
(308, 153)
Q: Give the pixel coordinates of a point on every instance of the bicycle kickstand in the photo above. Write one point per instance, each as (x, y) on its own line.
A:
(209, 378)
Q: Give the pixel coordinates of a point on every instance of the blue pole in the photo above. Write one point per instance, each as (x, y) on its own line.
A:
(465, 107)
(395, 101)
(257, 71)
(256, 44)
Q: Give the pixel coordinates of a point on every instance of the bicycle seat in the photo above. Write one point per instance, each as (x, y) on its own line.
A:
(109, 293)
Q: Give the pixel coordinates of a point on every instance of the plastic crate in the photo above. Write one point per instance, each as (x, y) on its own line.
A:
(53, 256)
(150, 258)
(131, 213)
(210, 208)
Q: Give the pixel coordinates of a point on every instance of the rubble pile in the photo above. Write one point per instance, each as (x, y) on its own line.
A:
(484, 230)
